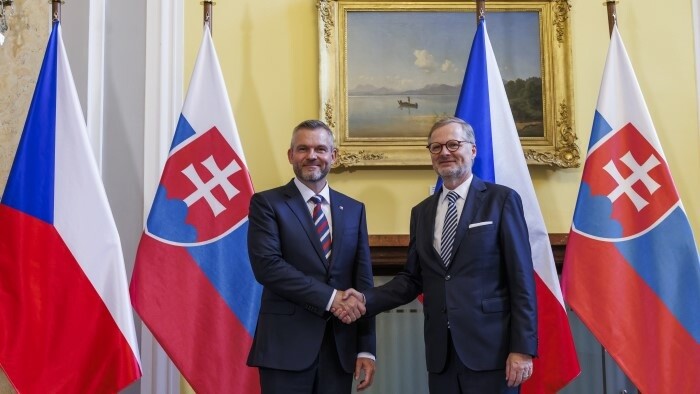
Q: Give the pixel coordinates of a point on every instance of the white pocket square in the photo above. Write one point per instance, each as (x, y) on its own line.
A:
(480, 224)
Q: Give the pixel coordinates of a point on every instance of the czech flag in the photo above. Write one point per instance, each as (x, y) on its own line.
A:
(484, 105)
(631, 271)
(192, 283)
(66, 325)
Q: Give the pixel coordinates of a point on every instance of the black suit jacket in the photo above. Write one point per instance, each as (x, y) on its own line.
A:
(287, 259)
(488, 291)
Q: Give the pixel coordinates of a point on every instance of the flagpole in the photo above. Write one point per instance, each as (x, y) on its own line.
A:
(56, 9)
(208, 10)
(612, 14)
(480, 10)
(612, 19)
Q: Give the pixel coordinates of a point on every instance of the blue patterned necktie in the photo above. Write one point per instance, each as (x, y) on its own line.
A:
(449, 228)
(323, 230)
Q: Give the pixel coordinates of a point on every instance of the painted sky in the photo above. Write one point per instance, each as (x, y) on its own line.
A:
(407, 50)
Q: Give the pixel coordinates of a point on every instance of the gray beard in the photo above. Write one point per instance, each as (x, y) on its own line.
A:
(452, 174)
(312, 177)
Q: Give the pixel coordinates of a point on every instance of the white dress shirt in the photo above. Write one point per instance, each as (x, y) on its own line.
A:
(462, 191)
(307, 193)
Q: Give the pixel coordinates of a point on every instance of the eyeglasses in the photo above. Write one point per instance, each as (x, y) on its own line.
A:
(451, 145)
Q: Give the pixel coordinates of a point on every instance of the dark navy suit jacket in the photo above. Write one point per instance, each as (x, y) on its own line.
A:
(487, 293)
(287, 259)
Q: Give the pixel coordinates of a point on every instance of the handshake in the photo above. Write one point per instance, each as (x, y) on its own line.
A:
(348, 305)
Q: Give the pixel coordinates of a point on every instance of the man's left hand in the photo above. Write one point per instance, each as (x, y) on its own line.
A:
(518, 368)
(365, 365)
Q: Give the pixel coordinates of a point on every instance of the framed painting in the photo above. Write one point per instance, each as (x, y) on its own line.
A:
(390, 69)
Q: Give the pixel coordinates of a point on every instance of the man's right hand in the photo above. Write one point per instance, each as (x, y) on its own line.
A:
(348, 305)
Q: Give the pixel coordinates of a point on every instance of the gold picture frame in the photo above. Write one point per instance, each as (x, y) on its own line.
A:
(365, 63)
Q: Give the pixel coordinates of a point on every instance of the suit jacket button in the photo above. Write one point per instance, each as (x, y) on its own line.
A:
(448, 277)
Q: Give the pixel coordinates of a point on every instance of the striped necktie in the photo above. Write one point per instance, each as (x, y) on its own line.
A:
(323, 230)
(449, 228)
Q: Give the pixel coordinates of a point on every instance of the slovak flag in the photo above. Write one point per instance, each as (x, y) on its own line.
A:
(631, 270)
(484, 105)
(66, 325)
(192, 283)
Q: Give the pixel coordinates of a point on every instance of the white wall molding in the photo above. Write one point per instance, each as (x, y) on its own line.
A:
(95, 77)
(164, 65)
(696, 42)
(163, 103)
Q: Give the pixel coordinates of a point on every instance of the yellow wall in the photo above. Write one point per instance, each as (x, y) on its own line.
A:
(269, 54)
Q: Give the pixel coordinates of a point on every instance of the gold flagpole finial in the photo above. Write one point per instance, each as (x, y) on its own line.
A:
(208, 11)
(480, 10)
(612, 14)
(56, 10)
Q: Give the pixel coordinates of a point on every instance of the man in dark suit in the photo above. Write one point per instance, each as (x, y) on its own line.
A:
(306, 242)
(470, 256)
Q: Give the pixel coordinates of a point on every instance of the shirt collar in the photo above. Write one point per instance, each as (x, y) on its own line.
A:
(307, 193)
(462, 189)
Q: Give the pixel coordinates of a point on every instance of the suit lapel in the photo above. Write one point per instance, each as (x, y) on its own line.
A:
(474, 197)
(338, 218)
(298, 206)
(430, 213)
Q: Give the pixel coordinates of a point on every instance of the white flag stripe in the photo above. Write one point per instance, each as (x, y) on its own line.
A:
(91, 237)
(618, 110)
(206, 91)
(511, 170)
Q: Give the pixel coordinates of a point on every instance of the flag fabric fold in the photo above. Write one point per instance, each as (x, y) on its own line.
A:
(66, 324)
(632, 271)
(483, 104)
(192, 283)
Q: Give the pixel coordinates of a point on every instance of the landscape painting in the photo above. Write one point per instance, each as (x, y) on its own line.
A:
(389, 69)
(405, 69)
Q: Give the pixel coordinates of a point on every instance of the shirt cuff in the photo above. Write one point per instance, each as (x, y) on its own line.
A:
(330, 302)
(366, 355)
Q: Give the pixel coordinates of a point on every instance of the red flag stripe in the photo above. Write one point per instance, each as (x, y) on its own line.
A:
(79, 335)
(204, 313)
(639, 319)
(553, 326)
